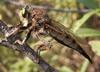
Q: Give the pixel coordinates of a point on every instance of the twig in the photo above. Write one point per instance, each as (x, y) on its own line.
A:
(24, 49)
(49, 8)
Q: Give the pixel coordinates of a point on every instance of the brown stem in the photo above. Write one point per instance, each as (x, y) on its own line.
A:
(24, 49)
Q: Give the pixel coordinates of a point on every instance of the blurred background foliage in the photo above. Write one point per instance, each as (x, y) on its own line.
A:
(84, 22)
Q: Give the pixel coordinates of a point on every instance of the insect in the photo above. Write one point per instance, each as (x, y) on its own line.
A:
(38, 22)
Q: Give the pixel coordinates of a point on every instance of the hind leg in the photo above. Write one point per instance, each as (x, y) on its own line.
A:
(46, 45)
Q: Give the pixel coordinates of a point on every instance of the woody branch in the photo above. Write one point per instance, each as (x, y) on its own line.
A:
(24, 49)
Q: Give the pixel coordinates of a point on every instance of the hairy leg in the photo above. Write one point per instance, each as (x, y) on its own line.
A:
(45, 45)
(27, 36)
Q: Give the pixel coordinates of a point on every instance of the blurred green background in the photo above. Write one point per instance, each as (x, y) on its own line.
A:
(84, 22)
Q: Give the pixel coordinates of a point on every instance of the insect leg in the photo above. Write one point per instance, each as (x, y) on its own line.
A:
(25, 38)
(46, 45)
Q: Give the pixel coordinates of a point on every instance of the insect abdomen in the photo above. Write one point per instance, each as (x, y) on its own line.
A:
(68, 41)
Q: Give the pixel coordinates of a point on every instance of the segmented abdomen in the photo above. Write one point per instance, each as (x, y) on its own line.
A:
(67, 40)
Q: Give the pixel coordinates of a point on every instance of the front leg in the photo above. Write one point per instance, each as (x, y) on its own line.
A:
(12, 30)
(15, 30)
(28, 33)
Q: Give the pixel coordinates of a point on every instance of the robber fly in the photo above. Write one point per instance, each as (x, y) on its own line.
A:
(38, 22)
